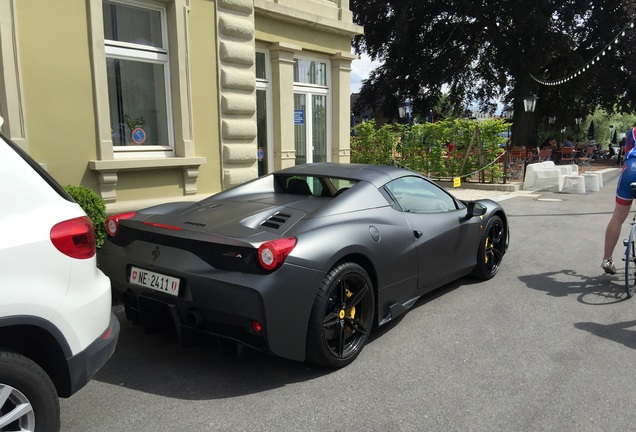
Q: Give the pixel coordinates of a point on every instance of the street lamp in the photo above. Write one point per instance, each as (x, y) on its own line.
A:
(529, 104)
(578, 121)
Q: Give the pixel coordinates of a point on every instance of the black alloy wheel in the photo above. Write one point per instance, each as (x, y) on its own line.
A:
(341, 317)
(492, 247)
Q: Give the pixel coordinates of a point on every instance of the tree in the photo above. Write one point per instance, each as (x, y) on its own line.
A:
(501, 50)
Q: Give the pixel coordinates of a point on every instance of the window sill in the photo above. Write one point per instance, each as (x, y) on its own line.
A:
(140, 164)
(108, 169)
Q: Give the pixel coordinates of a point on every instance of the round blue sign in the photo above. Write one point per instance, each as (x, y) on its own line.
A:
(138, 136)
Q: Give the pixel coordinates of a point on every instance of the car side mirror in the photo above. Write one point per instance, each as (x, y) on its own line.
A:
(475, 209)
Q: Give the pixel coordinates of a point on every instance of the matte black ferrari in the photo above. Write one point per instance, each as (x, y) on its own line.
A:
(301, 263)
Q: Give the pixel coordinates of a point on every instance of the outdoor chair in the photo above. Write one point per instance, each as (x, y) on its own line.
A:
(516, 162)
(545, 154)
(586, 158)
(567, 155)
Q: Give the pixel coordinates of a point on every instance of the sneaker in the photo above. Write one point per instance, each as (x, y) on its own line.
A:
(608, 266)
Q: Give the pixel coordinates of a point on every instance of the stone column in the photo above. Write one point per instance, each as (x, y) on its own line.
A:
(237, 87)
(283, 102)
(341, 107)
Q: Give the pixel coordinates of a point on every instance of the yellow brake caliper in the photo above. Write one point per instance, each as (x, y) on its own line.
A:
(352, 310)
(486, 249)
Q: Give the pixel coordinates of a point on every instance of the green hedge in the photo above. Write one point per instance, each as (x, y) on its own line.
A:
(422, 148)
(94, 207)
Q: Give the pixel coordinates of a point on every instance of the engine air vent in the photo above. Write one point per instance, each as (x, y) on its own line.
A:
(276, 220)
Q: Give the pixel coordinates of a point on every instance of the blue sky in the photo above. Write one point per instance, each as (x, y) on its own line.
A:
(360, 70)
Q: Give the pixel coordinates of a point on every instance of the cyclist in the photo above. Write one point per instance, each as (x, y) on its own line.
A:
(623, 204)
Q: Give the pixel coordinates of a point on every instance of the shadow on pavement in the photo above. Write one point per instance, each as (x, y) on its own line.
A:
(592, 290)
(158, 364)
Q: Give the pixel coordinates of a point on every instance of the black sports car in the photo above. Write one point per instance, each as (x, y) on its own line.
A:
(301, 263)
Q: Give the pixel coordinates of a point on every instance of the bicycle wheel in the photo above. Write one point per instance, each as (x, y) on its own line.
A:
(630, 265)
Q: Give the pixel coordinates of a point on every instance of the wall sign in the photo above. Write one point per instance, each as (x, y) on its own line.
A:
(299, 117)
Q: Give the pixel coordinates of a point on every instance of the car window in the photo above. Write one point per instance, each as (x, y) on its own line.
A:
(316, 186)
(416, 195)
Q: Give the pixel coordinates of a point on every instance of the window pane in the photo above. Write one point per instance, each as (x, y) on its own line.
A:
(137, 98)
(261, 70)
(310, 72)
(300, 129)
(319, 128)
(261, 130)
(131, 24)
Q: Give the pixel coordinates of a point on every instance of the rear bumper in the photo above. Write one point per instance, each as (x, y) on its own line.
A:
(220, 303)
(84, 365)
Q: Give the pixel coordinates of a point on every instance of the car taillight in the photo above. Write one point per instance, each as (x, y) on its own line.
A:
(74, 237)
(272, 254)
(112, 222)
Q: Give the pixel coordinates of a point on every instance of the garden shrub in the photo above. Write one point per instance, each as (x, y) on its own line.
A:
(94, 207)
(422, 148)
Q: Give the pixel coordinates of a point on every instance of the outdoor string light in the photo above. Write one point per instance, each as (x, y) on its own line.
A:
(586, 66)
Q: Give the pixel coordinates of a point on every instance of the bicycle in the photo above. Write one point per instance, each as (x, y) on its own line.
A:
(630, 255)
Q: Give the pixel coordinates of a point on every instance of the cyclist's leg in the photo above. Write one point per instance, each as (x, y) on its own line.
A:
(613, 230)
(621, 207)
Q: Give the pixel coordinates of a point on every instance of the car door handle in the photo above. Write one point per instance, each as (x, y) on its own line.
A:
(417, 234)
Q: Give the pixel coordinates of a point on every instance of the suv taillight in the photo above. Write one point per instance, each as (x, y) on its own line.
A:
(74, 237)
(272, 254)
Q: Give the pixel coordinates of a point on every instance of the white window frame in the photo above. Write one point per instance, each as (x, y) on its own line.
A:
(147, 54)
(316, 89)
(266, 85)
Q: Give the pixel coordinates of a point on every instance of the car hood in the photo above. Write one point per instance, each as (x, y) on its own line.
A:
(274, 214)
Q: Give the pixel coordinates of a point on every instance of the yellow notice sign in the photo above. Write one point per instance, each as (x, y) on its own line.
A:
(457, 182)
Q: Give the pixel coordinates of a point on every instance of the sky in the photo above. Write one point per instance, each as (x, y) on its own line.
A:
(360, 70)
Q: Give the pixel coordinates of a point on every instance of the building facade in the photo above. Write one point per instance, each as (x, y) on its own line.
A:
(148, 101)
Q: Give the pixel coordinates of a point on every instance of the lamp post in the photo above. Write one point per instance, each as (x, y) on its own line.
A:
(578, 121)
(508, 113)
(529, 104)
(562, 136)
(552, 121)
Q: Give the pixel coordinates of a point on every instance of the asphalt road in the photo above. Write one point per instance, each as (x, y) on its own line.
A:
(547, 345)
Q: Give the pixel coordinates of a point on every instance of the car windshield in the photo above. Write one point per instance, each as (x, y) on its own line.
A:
(315, 186)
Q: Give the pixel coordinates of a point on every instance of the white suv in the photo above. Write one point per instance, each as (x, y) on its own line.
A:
(56, 324)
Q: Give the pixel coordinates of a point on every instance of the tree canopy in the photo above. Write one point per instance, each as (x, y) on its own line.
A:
(486, 51)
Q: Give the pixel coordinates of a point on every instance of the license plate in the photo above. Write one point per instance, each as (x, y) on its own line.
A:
(155, 281)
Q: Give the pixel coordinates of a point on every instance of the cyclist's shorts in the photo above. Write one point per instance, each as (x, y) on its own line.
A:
(623, 189)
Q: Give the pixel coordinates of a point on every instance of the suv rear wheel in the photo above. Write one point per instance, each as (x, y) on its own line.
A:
(27, 396)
